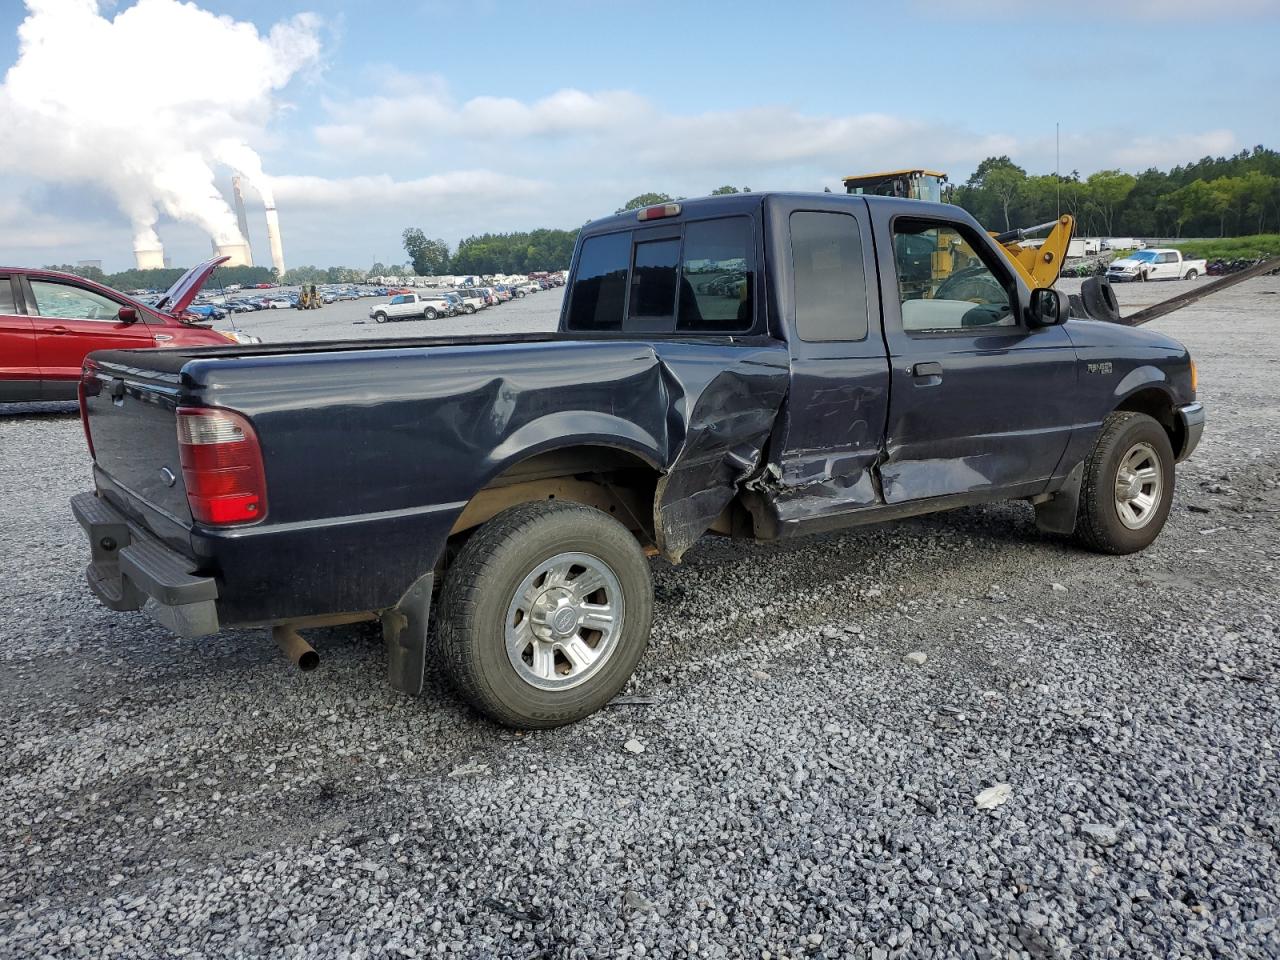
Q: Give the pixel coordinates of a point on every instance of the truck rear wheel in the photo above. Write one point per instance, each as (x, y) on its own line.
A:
(379, 318)
(545, 613)
(429, 313)
(1127, 487)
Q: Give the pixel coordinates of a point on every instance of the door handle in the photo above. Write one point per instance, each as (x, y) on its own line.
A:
(59, 330)
(931, 369)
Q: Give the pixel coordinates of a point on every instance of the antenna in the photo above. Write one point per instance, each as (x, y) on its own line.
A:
(1057, 162)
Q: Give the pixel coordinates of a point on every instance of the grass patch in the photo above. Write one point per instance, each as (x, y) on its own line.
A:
(1260, 245)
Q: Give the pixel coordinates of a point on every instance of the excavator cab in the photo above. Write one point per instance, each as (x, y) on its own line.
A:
(909, 184)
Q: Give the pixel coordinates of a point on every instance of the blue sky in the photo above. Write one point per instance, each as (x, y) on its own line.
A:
(467, 117)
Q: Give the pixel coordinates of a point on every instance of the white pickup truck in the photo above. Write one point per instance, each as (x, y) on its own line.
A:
(1161, 263)
(409, 306)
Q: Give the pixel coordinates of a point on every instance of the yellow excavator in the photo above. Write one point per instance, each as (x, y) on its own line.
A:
(1039, 265)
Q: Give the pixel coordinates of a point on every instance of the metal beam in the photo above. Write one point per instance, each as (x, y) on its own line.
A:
(1201, 291)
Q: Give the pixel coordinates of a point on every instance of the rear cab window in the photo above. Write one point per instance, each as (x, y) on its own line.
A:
(692, 277)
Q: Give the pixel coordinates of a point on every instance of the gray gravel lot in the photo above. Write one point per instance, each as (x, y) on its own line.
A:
(349, 320)
(802, 790)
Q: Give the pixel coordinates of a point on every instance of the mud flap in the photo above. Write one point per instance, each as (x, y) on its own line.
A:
(404, 630)
(1057, 513)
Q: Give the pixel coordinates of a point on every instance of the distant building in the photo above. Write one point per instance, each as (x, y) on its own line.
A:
(97, 264)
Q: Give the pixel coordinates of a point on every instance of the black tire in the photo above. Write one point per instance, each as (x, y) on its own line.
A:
(429, 313)
(521, 294)
(1098, 518)
(1099, 299)
(481, 588)
(1191, 275)
(470, 309)
(379, 318)
(1077, 307)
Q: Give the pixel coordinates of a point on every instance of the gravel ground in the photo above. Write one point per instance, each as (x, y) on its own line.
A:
(791, 784)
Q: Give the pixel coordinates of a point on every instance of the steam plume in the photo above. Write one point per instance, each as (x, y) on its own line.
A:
(146, 103)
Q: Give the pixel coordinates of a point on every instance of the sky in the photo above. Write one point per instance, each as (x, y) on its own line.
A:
(466, 117)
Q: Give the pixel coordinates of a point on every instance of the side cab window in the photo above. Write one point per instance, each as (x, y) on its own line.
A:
(948, 284)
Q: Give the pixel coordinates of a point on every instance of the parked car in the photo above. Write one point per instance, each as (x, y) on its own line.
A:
(281, 303)
(471, 299)
(1155, 264)
(409, 306)
(50, 320)
(528, 475)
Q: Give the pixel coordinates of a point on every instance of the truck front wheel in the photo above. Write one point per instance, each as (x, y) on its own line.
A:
(1127, 487)
(429, 313)
(545, 613)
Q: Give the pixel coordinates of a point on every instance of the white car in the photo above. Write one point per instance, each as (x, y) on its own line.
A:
(409, 306)
(1155, 264)
(279, 303)
(472, 299)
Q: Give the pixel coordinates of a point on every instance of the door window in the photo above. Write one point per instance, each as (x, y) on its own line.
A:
(7, 302)
(944, 284)
(1168, 258)
(829, 282)
(72, 303)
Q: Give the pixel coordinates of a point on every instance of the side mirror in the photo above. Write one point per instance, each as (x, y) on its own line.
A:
(1049, 307)
(127, 315)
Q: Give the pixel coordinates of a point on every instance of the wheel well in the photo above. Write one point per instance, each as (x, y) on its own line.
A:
(612, 480)
(1158, 405)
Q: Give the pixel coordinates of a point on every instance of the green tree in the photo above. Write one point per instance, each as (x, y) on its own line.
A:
(994, 188)
(644, 200)
(88, 272)
(430, 257)
(724, 191)
(1106, 190)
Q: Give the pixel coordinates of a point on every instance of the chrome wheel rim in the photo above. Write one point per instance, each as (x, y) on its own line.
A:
(564, 621)
(1139, 486)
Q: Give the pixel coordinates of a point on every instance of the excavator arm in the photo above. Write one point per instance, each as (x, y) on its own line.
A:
(1038, 266)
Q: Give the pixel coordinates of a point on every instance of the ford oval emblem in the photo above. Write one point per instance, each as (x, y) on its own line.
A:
(169, 478)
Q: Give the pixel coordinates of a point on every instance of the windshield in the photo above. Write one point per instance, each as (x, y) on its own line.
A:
(1146, 256)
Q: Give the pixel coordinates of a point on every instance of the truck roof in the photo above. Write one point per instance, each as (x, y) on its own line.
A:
(741, 203)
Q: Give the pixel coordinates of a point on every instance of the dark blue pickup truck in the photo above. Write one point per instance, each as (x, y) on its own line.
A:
(759, 366)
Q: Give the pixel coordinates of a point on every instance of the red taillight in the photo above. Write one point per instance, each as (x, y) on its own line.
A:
(221, 466)
(659, 212)
(89, 384)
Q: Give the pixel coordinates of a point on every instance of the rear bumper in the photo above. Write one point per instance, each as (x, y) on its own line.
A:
(1191, 419)
(131, 570)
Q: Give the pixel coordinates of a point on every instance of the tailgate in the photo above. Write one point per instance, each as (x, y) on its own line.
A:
(132, 424)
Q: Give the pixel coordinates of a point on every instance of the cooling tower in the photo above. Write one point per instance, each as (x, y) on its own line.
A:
(151, 258)
(242, 219)
(238, 252)
(273, 238)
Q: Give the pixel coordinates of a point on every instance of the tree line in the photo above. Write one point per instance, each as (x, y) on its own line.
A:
(490, 253)
(1215, 196)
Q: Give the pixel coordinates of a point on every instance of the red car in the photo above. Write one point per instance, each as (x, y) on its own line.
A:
(50, 320)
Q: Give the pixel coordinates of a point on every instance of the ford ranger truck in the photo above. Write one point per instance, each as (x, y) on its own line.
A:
(495, 500)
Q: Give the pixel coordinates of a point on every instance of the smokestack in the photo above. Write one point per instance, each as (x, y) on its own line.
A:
(273, 238)
(242, 219)
(238, 252)
(149, 258)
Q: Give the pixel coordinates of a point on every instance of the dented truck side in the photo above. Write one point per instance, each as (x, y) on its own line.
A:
(759, 366)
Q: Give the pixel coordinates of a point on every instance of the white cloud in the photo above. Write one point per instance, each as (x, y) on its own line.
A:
(451, 189)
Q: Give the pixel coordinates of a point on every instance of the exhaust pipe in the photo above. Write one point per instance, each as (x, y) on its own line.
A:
(300, 653)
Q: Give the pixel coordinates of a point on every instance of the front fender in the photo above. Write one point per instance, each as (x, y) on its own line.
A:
(1142, 378)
